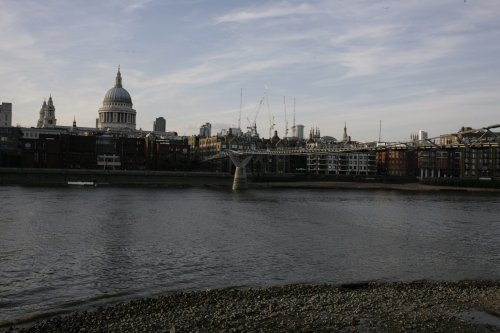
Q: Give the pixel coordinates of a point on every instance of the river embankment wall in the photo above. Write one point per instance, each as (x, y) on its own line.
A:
(60, 177)
(149, 178)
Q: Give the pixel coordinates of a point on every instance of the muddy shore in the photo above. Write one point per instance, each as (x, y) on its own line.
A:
(416, 187)
(467, 306)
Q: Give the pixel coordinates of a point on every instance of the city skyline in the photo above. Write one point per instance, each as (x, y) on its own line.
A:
(412, 65)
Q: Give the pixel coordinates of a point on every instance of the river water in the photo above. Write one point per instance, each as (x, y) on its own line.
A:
(68, 248)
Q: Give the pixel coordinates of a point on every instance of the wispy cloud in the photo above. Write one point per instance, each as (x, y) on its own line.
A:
(342, 59)
(218, 68)
(360, 61)
(137, 5)
(365, 33)
(273, 11)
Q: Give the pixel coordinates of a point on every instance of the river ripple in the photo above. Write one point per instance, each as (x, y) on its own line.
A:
(63, 248)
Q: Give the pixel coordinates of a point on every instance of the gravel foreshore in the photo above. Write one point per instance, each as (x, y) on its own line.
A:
(467, 306)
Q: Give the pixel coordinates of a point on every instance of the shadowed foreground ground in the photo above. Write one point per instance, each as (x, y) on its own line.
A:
(469, 306)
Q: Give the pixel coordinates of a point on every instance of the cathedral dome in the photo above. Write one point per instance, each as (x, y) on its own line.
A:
(116, 112)
(117, 94)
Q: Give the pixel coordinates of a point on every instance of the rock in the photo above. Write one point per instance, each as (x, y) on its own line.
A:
(419, 306)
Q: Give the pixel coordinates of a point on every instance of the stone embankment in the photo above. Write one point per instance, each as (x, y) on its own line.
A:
(393, 307)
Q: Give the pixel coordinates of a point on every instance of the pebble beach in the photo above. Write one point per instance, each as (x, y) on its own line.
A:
(467, 306)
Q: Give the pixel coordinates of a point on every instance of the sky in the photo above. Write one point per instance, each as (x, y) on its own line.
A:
(408, 65)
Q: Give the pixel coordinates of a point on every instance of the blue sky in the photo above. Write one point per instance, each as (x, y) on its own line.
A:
(413, 64)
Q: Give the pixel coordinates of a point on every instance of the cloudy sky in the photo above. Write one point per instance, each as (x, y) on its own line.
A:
(413, 64)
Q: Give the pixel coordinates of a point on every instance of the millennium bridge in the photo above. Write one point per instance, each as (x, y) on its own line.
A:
(465, 139)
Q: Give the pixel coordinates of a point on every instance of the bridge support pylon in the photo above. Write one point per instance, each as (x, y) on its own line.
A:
(240, 175)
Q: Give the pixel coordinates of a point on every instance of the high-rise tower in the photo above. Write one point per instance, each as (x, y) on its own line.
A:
(5, 114)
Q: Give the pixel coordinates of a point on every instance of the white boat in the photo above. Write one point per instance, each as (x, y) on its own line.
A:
(85, 184)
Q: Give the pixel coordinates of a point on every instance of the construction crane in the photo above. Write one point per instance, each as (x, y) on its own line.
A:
(241, 106)
(286, 118)
(271, 117)
(253, 125)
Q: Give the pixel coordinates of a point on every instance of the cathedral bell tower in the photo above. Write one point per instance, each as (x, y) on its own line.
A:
(47, 117)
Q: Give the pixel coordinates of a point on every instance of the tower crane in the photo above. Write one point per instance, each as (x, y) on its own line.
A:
(253, 126)
(286, 119)
(239, 117)
(271, 117)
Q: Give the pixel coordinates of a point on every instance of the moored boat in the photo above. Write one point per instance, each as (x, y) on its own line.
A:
(83, 184)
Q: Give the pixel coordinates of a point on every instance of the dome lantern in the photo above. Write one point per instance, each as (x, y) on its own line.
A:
(118, 80)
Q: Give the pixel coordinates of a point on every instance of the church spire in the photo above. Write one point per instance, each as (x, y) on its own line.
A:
(118, 83)
(345, 138)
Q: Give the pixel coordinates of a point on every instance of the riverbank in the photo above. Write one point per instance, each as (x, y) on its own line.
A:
(413, 186)
(147, 178)
(139, 178)
(468, 306)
